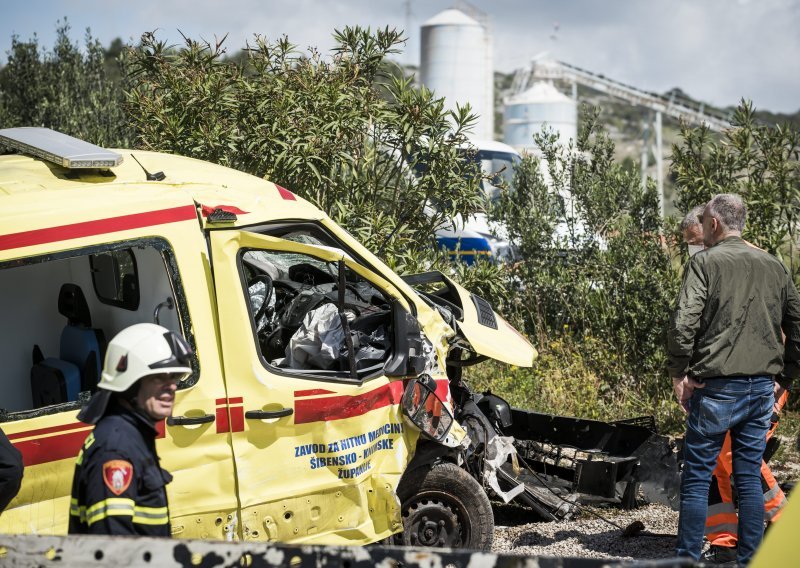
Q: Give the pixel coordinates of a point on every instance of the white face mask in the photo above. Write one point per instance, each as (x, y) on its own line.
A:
(694, 249)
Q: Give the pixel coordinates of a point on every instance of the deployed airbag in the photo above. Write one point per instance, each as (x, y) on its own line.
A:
(318, 340)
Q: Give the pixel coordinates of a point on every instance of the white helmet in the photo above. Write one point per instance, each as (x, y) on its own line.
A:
(135, 352)
(140, 350)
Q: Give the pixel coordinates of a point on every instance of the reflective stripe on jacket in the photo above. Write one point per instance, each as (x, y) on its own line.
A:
(123, 505)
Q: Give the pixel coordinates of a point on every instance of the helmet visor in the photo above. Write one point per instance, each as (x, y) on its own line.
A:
(180, 356)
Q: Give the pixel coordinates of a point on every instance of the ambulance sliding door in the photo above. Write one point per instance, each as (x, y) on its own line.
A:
(318, 445)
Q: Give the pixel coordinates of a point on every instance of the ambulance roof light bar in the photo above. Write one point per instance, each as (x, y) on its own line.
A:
(58, 148)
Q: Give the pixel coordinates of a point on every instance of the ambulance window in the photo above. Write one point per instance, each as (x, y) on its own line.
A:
(296, 312)
(60, 310)
(115, 279)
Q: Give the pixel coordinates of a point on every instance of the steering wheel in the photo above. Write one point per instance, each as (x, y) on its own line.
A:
(267, 281)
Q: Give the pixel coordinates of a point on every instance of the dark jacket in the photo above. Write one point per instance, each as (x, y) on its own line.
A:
(119, 487)
(10, 471)
(733, 304)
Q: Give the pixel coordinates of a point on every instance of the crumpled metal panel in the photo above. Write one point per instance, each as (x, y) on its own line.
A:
(607, 453)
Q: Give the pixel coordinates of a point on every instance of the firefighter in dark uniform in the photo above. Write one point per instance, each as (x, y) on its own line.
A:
(119, 487)
(10, 471)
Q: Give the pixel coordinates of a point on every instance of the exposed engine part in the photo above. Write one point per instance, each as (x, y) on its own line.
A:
(610, 461)
(503, 450)
(560, 463)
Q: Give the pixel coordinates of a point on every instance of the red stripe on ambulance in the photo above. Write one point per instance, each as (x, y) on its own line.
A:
(65, 445)
(338, 407)
(285, 193)
(311, 392)
(236, 421)
(97, 227)
(50, 430)
(54, 448)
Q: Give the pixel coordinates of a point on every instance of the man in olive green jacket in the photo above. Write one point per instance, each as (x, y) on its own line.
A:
(724, 351)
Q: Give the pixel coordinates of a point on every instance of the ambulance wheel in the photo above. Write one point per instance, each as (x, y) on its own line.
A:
(444, 507)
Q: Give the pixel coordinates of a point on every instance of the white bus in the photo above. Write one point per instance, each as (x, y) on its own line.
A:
(476, 236)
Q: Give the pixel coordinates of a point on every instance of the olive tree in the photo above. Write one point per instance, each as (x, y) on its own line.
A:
(347, 131)
(761, 162)
(67, 88)
(596, 281)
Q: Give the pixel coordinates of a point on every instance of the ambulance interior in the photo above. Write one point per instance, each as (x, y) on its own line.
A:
(60, 311)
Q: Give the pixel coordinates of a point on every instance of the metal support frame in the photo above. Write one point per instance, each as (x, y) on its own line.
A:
(659, 153)
(558, 70)
(654, 123)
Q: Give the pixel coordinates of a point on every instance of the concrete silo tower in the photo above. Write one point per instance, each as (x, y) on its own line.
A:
(456, 63)
(527, 112)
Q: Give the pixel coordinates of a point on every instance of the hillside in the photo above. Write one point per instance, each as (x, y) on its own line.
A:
(626, 124)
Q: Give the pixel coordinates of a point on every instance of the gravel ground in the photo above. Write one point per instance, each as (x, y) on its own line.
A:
(587, 536)
(517, 530)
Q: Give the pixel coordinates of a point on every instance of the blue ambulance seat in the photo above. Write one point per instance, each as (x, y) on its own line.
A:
(80, 345)
(54, 381)
(81, 352)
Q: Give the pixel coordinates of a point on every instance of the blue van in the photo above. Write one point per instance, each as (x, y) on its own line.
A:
(466, 240)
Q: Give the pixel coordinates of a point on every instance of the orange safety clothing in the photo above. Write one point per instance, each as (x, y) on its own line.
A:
(722, 521)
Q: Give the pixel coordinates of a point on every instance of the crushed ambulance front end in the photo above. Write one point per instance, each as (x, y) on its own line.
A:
(321, 456)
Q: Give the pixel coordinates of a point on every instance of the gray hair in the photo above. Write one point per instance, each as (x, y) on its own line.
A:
(730, 211)
(692, 218)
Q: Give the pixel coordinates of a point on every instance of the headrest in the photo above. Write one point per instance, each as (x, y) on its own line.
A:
(72, 305)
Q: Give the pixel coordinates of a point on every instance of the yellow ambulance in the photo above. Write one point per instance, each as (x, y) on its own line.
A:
(319, 410)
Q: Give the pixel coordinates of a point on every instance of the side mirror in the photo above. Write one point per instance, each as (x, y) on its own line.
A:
(426, 410)
(407, 359)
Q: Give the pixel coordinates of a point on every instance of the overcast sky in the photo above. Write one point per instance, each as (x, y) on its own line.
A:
(716, 50)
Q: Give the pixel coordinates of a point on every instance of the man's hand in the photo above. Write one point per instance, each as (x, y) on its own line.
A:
(779, 392)
(684, 387)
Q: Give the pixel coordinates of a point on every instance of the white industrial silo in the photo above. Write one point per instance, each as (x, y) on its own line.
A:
(527, 112)
(456, 63)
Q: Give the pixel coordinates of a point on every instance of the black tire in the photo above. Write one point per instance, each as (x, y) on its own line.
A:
(444, 507)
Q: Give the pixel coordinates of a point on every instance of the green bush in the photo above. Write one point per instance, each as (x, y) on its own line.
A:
(757, 161)
(595, 284)
(347, 132)
(68, 89)
(566, 381)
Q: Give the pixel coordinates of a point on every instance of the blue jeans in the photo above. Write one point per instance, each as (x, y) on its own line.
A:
(742, 405)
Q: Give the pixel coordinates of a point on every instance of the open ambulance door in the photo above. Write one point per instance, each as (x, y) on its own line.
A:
(319, 442)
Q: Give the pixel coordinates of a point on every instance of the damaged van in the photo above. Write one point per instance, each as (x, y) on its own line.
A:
(319, 409)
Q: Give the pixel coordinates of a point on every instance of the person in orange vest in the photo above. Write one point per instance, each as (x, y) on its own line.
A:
(722, 522)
